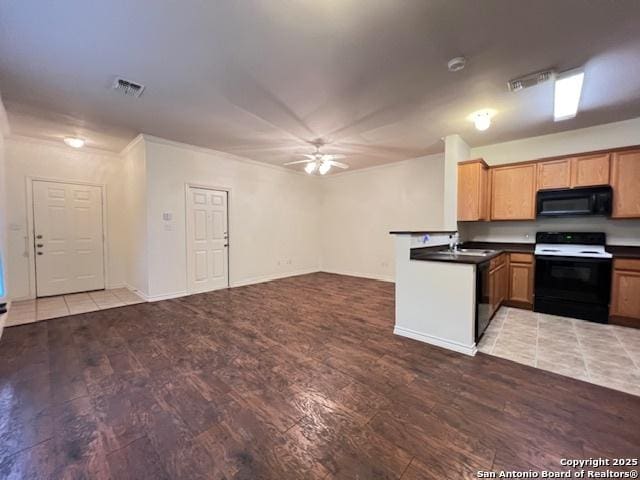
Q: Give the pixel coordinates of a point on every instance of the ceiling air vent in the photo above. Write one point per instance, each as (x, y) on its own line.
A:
(530, 80)
(127, 87)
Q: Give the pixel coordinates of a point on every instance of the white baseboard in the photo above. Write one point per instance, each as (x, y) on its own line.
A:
(3, 321)
(437, 341)
(156, 298)
(372, 276)
(268, 278)
(113, 286)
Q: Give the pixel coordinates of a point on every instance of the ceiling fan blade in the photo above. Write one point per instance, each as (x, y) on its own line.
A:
(297, 162)
(309, 156)
(338, 164)
(333, 156)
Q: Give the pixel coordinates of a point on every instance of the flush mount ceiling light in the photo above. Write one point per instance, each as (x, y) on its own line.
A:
(482, 118)
(567, 94)
(74, 142)
(456, 64)
(324, 168)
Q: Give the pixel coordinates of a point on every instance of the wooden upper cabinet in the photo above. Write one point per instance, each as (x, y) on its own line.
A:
(554, 174)
(625, 180)
(513, 191)
(590, 170)
(473, 178)
(585, 171)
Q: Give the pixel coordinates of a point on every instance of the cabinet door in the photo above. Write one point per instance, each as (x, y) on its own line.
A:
(625, 180)
(554, 174)
(504, 283)
(513, 192)
(472, 191)
(590, 170)
(625, 294)
(521, 282)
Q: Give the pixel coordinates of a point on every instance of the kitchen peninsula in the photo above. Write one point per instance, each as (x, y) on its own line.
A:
(435, 300)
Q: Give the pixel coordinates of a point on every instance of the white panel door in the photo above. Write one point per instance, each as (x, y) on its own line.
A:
(69, 242)
(207, 240)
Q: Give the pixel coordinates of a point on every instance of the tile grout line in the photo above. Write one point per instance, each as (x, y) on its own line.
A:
(636, 364)
(499, 332)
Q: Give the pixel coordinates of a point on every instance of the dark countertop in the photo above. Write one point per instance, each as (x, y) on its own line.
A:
(441, 254)
(409, 232)
(621, 251)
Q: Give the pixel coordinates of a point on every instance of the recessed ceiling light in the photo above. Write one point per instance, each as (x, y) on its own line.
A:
(482, 118)
(567, 94)
(74, 142)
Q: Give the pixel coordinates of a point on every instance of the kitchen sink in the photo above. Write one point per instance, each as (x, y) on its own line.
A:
(466, 252)
(474, 252)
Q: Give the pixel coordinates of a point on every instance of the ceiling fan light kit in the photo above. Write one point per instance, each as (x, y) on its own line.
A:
(319, 162)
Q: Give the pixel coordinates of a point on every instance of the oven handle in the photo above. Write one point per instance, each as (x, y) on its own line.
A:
(557, 258)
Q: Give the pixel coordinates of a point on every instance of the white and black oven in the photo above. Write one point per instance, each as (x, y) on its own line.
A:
(573, 275)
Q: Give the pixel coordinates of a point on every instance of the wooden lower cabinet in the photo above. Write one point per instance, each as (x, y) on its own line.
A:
(520, 280)
(625, 293)
(498, 282)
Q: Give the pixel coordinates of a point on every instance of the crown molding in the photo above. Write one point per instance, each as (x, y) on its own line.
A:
(60, 145)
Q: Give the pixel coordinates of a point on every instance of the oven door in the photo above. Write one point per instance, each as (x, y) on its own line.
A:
(573, 279)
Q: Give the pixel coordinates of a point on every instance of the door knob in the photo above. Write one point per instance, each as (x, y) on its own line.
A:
(38, 236)
(39, 253)
(39, 245)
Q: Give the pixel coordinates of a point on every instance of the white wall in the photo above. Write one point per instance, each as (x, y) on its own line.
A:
(455, 150)
(360, 208)
(619, 232)
(27, 157)
(612, 135)
(4, 128)
(135, 215)
(273, 215)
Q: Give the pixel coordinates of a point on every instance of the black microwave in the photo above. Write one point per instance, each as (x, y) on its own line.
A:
(575, 201)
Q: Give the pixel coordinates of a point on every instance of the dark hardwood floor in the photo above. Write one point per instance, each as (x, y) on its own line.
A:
(296, 378)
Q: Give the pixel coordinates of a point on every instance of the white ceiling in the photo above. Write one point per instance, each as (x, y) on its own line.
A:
(260, 78)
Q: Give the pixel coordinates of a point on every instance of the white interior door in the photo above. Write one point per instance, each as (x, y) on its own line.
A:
(207, 240)
(69, 241)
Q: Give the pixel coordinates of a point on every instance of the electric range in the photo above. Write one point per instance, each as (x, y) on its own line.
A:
(573, 275)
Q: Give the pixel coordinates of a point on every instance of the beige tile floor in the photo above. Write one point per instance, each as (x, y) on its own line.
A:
(29, 311)
(606, 355)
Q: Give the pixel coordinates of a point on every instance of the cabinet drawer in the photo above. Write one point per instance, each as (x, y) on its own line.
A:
(521, 258)
(496, 262)
(626, 264)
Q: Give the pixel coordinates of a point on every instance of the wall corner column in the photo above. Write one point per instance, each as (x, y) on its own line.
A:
(455, 150)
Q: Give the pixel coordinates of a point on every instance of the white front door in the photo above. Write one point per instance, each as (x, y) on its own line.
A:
(69, 242)
(207, 240)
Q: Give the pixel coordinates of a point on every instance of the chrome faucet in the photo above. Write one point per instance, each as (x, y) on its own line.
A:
(454, 242)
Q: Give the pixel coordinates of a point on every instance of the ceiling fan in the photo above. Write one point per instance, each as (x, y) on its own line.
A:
(319, 161)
